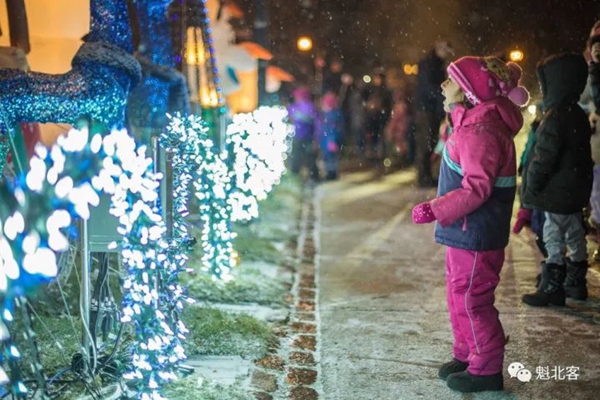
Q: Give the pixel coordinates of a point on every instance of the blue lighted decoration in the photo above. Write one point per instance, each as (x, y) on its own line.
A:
(96, 87)
(152, 290)
(38, 207)
(198, 161)
(163, 89)
(35, 212)
(61, 186)
(184, 145)
(194, 13)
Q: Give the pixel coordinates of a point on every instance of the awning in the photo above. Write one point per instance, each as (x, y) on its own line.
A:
(279, 74)
(256, 51)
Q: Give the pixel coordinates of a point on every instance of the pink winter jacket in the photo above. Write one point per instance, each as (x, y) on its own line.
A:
(478, 176)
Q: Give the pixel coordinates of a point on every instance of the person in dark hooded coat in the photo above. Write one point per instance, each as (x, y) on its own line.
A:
(559, 179)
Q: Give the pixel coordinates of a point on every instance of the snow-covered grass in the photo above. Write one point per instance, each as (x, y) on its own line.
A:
(250, 285)
(252, 247)
(191, 388)
(217, 332)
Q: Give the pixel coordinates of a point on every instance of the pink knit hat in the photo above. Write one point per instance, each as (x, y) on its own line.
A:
(301, 93)
(329, 100)
(485, 78)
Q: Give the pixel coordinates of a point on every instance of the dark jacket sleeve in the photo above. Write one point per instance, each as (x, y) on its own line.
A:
(545, 154)
(594, 71)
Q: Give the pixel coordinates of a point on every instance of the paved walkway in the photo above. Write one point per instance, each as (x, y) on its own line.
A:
(384, 325)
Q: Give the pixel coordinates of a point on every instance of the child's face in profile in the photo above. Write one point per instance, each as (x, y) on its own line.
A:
(452, 93)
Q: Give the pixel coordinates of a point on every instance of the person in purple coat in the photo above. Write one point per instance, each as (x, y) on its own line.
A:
(304, 116)
(473, 208)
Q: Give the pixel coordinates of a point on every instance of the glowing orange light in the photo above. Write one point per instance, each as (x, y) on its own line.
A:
(304, 43)
(516, 55)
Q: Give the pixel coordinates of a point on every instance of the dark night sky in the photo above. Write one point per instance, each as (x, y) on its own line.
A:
(369, 33)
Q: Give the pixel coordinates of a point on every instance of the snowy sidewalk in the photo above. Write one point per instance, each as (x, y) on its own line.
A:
(384, 325)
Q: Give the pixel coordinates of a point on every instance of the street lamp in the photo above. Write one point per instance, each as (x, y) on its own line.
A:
(304, 43)
(516, 55)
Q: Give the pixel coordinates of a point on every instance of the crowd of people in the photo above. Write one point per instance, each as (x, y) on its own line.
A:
(367, 122)
(378, 124)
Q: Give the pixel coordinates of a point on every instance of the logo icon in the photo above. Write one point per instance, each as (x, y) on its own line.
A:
(524, 375)
(518, 370)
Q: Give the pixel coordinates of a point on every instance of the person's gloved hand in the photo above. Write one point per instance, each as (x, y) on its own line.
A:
(523, 218)
(422, 214)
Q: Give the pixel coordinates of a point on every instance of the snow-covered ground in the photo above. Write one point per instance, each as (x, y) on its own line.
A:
(384, 324)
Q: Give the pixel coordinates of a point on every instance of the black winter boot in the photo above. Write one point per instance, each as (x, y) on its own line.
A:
(452, 367)
(575, 282)
(466, 382)
(538, 278)
(551, 290)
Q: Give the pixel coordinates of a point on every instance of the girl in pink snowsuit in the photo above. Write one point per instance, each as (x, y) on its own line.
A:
(473, 209)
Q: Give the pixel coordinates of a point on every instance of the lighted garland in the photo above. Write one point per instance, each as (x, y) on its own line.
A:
(184, 146)
(259, 142)
(212, 187)
(153, 293)
(35, 210)
(272, 139)
(212, 190)
(247, 167)
(60, 186)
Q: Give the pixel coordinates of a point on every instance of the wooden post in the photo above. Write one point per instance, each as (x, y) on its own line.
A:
(17, 25)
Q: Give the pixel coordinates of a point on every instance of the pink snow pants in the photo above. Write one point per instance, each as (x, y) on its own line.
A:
(471, 278)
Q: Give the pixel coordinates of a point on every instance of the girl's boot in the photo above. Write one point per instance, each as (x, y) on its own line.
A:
(452, 367)
(468, 383)
(551, 290)
(575, 281)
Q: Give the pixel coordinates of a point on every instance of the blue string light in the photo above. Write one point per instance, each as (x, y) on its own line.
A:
(37, 210)
(212, 187)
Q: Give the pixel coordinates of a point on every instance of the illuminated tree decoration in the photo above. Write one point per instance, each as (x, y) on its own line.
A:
(184, 145)
(60, 186)
(212, 185)
(259, 144)
(212, 190)
(246, 166)
(152, 288)
(35, 211)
